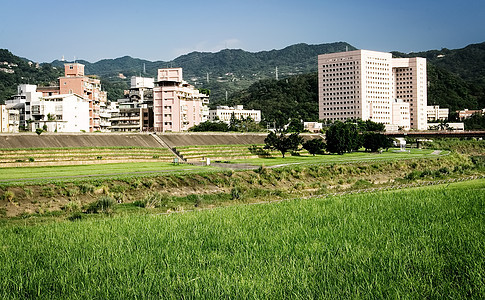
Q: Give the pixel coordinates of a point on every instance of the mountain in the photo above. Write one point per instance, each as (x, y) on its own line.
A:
(229, 70)
(456, 77)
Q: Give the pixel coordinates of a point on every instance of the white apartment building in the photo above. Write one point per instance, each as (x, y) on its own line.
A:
(26, 94)
(61, 113)
(224, 113)
(434, 112)
(9, 118)
(364, 84)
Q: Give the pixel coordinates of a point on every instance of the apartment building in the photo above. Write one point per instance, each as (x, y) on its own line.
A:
(434, 112)
(61, 113)
(26, 94)
(88, 87)
(224, 113)
(365, 84)
(9, 118)
(177, 105)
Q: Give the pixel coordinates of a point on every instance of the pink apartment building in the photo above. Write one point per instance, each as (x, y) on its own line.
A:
(75, 82)
(177, 105)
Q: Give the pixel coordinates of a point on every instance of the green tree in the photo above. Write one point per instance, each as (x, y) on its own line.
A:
(210, 126)
(282, 142)
(314, 146)
(342, 137)
(374, 141)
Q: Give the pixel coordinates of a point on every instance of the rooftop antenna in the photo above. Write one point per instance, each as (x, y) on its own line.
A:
(346, 48)
(144, 69)
(63, 59)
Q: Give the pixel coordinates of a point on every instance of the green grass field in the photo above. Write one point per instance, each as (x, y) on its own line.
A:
(98, 170)
(415, 243)
(41, 173)
(346, 158)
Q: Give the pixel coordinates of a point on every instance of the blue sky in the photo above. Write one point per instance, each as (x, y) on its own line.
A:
(45, 30)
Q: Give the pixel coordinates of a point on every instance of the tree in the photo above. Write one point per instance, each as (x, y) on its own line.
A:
(209, 126)
(370, 125)
(282, 142)
(342, 137)
(374, 141)
(314, 146)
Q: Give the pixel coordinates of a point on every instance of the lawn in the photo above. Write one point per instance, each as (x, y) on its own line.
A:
(415, 243)
(345, 158)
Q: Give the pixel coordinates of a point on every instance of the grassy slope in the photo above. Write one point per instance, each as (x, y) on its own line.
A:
(425, 243)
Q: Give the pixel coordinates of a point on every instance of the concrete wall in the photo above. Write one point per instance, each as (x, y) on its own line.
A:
(65, 140)
(191, 139)
(57, 140)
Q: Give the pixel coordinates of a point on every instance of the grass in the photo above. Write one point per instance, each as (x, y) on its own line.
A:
(100, 170)
(415, 243)
(334, 158)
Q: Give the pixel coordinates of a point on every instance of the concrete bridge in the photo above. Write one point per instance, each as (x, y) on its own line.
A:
(438, 134)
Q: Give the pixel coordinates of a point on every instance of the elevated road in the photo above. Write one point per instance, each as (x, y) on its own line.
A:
(438, 134)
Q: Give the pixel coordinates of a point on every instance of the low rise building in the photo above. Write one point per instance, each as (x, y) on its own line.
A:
(456, 126)
(434, 112)
(314, 127)
(466, 113)
(26, 94)
(9, 118)
(224, 113)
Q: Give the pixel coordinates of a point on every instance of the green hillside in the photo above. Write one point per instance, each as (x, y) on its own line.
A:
(15, 70)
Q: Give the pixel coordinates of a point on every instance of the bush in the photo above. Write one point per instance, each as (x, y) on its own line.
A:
(104, 205)
(85, 188)
(31, 159)
(8, 196)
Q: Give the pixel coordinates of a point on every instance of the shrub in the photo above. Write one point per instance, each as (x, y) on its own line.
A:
(85, 188)
(104, 205)
(31, 159)
(8, 196)
(75, 216)
(236, 193)
(48, 192)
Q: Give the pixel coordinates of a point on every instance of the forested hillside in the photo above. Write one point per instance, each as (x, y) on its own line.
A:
(15, 70)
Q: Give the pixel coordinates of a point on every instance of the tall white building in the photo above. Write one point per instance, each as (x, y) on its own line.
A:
(26, 94)
(366, 84)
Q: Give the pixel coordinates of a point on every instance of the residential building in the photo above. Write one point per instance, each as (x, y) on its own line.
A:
(61, 113)
(224, 113)
(177, 105)
(88, 87)
(135, 111)
(466, 113)
(26, 94)
(364, 84)
(434, 112)
(9, 118)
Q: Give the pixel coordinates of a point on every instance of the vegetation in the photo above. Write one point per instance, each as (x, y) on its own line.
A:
(342, 137)
(283, 143)
(314, 146)
(414, 243)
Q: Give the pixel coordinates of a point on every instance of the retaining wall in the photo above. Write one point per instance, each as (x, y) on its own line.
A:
(75, 140)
